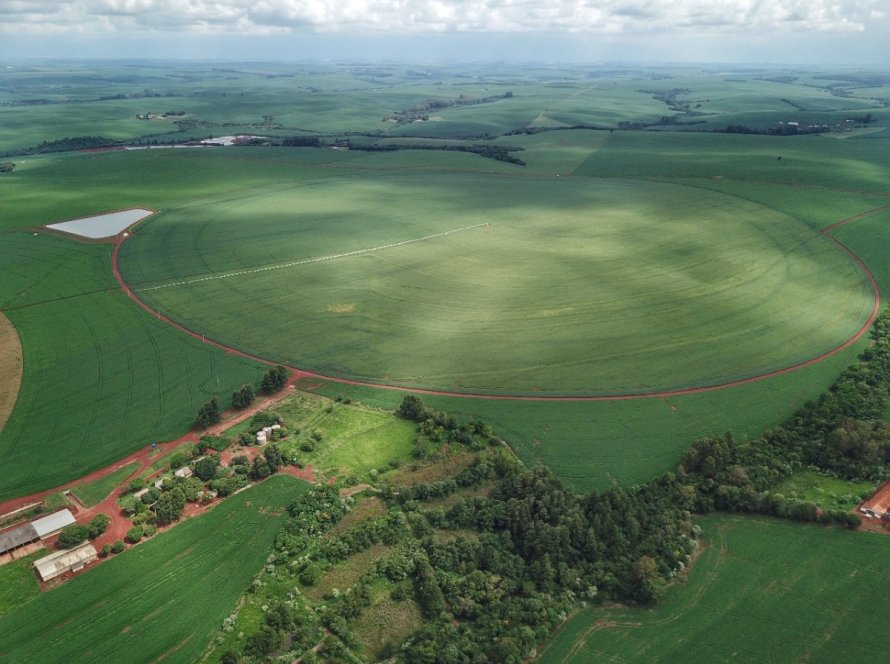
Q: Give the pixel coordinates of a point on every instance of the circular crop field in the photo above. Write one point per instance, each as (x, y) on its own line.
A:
(497, 284)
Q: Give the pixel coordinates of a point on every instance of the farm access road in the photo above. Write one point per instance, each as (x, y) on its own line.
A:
(120, 524)
(304, 373)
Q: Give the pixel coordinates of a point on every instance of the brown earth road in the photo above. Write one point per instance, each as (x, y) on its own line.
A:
(149, 455)
(303, 373)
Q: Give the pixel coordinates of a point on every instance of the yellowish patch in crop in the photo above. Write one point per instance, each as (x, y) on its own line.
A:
(10, 368)
(341, 308)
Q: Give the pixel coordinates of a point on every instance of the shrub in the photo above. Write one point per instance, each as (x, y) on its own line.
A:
(98, 525)
(73, 535)
(117, 547)
(134, 534)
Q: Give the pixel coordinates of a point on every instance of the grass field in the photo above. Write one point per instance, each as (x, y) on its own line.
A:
(103, 378)
(747, 599)
(95, 492)
(827, 492)
(553, 287)
(354, 439)
(161, 601)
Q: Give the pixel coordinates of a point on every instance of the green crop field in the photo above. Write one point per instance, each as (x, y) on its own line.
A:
(747, 599)
(551, 286)
(102, 377)
(161, 601)
(18, 582)
(522, 305)
(592, 444)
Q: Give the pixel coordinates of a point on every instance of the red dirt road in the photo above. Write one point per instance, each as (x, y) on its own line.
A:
(146, 459)
(302, 373)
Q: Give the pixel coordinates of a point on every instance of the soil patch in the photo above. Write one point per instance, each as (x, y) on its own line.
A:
(10, 368)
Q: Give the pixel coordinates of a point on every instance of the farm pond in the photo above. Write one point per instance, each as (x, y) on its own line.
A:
(102, 225)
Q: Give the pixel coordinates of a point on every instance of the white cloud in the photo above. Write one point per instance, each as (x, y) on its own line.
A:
(627, 17)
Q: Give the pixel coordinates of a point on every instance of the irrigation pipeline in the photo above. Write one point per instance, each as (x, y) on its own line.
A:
(304, 373)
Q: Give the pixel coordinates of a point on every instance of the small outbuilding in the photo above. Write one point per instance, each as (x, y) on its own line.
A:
(185, 471)
(69, 560)
(878, 506)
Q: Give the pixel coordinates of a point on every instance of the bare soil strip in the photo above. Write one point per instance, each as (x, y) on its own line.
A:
(10, 368)
(302, 373)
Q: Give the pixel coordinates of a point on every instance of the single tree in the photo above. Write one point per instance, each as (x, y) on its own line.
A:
(274, 379)
(208, 414)
(243, 396)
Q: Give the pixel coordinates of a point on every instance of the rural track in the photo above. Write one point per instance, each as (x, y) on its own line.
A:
(299, 373)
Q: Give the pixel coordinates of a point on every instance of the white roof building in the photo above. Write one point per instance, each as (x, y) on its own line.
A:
(50, 525)
(60, 562)
(185, 471)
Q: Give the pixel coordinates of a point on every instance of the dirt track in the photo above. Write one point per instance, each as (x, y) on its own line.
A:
(302, 373)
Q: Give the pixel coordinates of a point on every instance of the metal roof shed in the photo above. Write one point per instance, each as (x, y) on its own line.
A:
(60, 562)
(13, 539)
(50, 525)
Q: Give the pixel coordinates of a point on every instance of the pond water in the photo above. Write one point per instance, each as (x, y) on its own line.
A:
(102, 225)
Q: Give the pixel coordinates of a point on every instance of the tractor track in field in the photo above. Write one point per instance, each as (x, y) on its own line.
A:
(299, 373)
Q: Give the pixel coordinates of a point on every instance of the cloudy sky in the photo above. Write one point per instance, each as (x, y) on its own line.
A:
(758, 31)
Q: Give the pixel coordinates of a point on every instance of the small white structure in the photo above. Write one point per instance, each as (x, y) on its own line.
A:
(185, 471)
(69, 560)
(138, 495)
(261, 438)
(159, 483)
(50, 525)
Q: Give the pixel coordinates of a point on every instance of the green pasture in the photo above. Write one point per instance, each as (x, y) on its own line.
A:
(160, 601)
(827, 492)
(93, 493)
(102, 377)
(554, 286)
(354, 439)
(747, 599)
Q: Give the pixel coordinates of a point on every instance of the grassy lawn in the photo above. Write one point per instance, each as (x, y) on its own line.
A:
(161, 600)
(827, 492)
(95, 492)
(354, 439)
(747, 599)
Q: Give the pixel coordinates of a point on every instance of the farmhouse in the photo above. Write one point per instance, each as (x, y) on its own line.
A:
(878, 506)
(70, 560)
